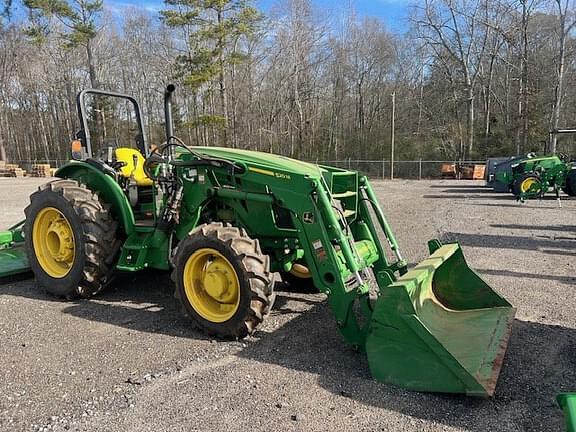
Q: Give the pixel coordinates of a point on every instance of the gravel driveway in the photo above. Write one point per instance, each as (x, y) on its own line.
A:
(128, 361)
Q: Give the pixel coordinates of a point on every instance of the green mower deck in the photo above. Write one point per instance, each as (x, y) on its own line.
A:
(13, 259)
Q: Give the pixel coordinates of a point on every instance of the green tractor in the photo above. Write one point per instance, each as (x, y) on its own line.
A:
(499, 172)
(224, 222)
(533, 176)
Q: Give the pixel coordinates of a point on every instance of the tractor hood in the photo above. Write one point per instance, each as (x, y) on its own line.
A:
(261, 160)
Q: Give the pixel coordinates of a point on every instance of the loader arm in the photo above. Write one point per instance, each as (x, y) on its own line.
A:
(567, 401)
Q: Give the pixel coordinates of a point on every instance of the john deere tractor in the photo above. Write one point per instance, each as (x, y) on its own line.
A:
(533, 176)
(224, 222)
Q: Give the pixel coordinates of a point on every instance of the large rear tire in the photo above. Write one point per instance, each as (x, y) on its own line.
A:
(526, 182)
(223, 280)
(70, 239)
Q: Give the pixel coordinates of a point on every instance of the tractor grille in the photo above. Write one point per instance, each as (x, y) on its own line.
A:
(344, 192)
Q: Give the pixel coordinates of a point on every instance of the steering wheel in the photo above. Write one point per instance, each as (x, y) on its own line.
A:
(108, 156)
(106, 152)
(152, 163)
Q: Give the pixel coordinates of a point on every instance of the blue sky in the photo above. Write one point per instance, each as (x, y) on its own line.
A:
(392, 12)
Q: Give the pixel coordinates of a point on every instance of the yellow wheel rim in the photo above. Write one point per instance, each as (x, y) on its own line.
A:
(53, 240)
(527, 184)
(211, 285)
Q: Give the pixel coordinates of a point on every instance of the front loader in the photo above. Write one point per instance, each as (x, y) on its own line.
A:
(226, 221)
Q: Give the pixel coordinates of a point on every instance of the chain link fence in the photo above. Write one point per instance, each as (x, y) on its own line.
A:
(27, 164)
(419, 169)
(382, 169)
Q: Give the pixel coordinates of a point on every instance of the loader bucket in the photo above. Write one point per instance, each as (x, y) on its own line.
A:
(13, 260)
(439, 328)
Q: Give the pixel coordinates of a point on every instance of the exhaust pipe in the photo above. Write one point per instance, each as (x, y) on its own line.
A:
(168, 111)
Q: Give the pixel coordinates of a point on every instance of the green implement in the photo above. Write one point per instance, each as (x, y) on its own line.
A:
(13, 260)
(567, 402)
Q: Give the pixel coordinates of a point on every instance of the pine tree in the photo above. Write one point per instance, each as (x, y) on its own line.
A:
(74, 22)
(216, 30)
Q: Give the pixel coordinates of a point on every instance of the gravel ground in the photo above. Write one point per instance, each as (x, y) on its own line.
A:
(127, 360)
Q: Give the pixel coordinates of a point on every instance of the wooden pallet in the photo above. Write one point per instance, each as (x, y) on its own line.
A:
(448, 170)
(40, 170)
(479, 171)
(11, 170)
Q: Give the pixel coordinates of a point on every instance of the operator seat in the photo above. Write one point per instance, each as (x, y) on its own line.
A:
(133, 165)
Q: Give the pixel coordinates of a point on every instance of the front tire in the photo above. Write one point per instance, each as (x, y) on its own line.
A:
(223, 280)
(70, 239)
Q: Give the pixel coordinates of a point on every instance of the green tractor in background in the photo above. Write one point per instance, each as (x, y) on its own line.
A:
(533, 177)
(225, 222)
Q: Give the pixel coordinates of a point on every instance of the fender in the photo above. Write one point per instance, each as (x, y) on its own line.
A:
(105, 186)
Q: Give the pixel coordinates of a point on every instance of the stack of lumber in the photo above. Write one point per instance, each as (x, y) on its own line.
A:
(11, 170)
(40, 170)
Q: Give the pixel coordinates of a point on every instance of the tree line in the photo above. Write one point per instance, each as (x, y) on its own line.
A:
(470, 78)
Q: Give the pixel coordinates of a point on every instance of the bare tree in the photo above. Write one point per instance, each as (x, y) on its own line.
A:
(471, 78)
(457, 28)
(566, 22)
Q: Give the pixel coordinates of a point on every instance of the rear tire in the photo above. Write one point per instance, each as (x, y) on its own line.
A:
(70, 239)
(223, 280)
(525, 182)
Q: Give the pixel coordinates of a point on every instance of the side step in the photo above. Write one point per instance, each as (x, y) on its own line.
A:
(134, 254)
